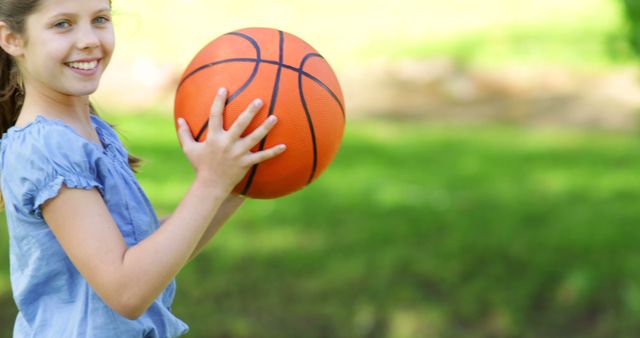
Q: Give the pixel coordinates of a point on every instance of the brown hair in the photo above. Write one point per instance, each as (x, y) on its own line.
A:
(14, 13)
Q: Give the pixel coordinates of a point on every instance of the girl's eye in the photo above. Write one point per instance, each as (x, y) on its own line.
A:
(62, 24)
(101, 20)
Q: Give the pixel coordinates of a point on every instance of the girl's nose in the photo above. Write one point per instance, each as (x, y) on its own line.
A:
(87, 38)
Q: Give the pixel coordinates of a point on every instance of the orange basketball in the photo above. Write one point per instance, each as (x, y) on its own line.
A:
(295, 83)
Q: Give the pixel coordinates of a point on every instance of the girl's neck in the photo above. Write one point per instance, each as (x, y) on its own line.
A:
(72, 109)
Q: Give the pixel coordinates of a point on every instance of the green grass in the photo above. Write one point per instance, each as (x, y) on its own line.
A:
(418, 230)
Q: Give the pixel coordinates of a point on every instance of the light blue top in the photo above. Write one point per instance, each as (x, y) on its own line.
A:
(53, 299)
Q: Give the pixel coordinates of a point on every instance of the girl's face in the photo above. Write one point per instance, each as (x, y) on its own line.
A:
(66, 46)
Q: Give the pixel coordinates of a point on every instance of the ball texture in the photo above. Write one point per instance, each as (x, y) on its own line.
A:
(295, 83)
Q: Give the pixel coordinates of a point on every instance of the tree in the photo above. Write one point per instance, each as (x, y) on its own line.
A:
(632, 16)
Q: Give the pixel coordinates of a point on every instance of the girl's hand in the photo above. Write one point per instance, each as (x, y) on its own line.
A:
(224, 157)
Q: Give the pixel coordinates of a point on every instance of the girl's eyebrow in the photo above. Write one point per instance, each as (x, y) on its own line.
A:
(104, 9)
(101, 10)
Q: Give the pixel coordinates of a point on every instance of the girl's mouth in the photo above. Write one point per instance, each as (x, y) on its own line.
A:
(85, 68)
(83, 65)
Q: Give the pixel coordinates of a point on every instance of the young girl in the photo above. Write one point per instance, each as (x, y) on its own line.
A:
(88, 255)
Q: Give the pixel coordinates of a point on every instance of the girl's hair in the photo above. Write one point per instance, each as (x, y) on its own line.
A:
(14, 13)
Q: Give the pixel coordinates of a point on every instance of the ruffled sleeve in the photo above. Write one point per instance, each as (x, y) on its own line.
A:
(42, 157)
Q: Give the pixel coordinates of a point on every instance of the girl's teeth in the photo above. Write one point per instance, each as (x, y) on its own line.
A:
(83, 65)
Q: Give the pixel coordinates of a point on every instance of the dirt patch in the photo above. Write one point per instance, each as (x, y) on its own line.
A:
(442, 90)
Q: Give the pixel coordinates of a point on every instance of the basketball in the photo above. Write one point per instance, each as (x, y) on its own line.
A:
(295, 83)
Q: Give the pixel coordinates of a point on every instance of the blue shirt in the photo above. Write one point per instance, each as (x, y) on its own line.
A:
(53, 299)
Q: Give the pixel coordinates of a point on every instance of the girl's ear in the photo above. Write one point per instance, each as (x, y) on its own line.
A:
(9, 41)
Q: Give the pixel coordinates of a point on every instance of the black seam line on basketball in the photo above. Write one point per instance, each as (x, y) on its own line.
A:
(255, 45)
(312, 131)
(251, 40)
(271, 62)
(272, 105)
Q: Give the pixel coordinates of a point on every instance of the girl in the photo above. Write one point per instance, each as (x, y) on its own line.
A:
(88, 255)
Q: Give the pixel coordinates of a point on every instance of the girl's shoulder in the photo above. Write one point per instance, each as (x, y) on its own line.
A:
(105, 130)
(43, 132)
(100, 124)
(44, 139)
(36, 159)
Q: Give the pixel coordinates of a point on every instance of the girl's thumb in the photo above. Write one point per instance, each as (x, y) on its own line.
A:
(184, 133)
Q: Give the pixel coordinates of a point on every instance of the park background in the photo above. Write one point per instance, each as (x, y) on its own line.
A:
(487, 185)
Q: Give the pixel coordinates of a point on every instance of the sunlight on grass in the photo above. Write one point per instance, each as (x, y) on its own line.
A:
(265, 241)
(414, 322)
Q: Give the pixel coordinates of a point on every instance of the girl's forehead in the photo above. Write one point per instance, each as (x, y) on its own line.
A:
(53, 7)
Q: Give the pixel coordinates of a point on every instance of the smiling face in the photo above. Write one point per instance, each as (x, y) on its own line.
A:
(66, 46)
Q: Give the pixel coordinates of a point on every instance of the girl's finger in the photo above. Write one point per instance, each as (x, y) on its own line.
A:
(263, 155)
(259, 133)
(184, 133)
(244, 119)
(217, 110)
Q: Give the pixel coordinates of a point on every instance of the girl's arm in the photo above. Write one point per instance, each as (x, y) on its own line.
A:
(129, 279)
(226, 210)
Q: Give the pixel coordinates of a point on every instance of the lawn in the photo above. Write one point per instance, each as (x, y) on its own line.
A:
(417, 230)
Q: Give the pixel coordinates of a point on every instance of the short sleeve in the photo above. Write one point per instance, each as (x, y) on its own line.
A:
(41, 158)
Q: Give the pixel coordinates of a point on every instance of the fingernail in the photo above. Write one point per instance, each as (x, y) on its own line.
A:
(222, 91)
(282, 147)
(272, 119)
(257, 103)
(181, 122)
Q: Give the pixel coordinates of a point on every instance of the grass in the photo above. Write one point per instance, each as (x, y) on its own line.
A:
(418, 230)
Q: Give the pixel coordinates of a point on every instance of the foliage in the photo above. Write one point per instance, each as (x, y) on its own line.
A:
(632, 16)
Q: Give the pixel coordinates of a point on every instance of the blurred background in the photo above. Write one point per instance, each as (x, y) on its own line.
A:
(487, 184)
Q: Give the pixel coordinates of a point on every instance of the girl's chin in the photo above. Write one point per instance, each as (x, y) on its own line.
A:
(85, 91)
